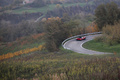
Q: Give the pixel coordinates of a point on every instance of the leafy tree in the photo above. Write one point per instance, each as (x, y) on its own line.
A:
(56, 31)
(107, 14)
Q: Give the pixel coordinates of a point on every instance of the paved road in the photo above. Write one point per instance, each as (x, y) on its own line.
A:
(76, 46)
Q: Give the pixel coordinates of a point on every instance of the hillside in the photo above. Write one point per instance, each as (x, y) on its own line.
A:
(63, 65)
(32, 32)
(50, 8)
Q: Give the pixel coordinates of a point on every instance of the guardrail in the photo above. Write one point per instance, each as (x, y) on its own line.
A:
(78, 36)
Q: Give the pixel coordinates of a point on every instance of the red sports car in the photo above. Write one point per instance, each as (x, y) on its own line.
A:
(80, 38)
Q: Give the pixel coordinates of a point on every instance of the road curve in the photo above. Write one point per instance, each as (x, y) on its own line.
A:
(76, 46)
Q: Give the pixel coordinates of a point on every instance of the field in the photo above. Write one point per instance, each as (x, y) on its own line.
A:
(45, 8)
(62, 65)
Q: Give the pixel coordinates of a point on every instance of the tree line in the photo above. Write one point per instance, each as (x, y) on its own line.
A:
(17, 18)
(98, 2)
(10, 32)
(72, 10)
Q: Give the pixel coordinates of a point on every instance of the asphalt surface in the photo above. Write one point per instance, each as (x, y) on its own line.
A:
(76, 46)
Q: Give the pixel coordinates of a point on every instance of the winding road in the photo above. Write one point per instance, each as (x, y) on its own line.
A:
(76, 46)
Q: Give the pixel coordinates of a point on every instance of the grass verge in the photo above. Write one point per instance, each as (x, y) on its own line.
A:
(102, 47)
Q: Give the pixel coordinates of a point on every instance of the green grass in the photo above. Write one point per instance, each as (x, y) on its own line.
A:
(102, 47)
(34, 10)
(31, 10)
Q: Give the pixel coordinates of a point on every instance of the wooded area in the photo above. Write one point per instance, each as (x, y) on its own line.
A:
(108, 14)
(71, 20)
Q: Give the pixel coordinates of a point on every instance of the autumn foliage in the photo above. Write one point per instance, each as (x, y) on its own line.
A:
(111, 34)
(36, 36)
(25, 51)
(92, 28)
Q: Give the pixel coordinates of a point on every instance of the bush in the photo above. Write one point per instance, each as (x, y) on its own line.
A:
(100, 38)
(111, 34)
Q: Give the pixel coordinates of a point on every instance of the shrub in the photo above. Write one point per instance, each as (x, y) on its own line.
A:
(112, 34)
(100, 38)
